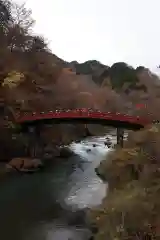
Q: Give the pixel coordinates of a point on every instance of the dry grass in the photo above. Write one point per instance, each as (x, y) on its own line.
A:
(131, 210)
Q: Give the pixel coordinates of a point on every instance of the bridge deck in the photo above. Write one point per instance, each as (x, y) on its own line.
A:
(104, 118)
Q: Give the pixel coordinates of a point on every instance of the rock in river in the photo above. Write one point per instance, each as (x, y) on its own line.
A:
(24, 164)
(65, 152)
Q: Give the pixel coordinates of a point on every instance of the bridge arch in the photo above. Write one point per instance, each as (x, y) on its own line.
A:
(35, 120)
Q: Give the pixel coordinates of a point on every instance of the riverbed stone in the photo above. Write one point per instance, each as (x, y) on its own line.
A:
(94, 145)
(88, 150)
(108, 142)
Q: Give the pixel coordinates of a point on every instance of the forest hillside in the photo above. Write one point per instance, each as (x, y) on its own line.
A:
(32, 78)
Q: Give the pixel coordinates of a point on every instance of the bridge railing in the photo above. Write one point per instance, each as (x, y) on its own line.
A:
(80, 114)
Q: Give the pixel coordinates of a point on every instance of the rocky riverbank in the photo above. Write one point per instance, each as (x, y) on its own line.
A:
(16, 155)
(31, 165)
(131, 207)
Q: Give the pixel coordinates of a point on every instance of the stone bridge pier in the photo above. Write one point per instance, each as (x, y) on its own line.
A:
(35, 142)
(120, 136)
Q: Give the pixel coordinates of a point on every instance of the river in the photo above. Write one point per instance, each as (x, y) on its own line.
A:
(49, 205)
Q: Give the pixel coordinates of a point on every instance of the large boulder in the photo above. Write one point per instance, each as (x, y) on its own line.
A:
(24, 164)
(32, 163)
(57, 151)
(15, 163)
(65, 152)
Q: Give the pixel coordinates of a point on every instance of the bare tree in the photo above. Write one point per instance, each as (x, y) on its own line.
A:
(22, 16)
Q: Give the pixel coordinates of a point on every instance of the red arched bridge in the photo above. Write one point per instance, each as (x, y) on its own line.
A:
(32, 121)
(117, 120)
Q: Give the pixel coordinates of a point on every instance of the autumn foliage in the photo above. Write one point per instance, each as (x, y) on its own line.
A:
(131, 208)
(30, 73)
(32, 78)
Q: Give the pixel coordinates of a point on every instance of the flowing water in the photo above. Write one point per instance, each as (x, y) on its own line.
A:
(45, 205)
